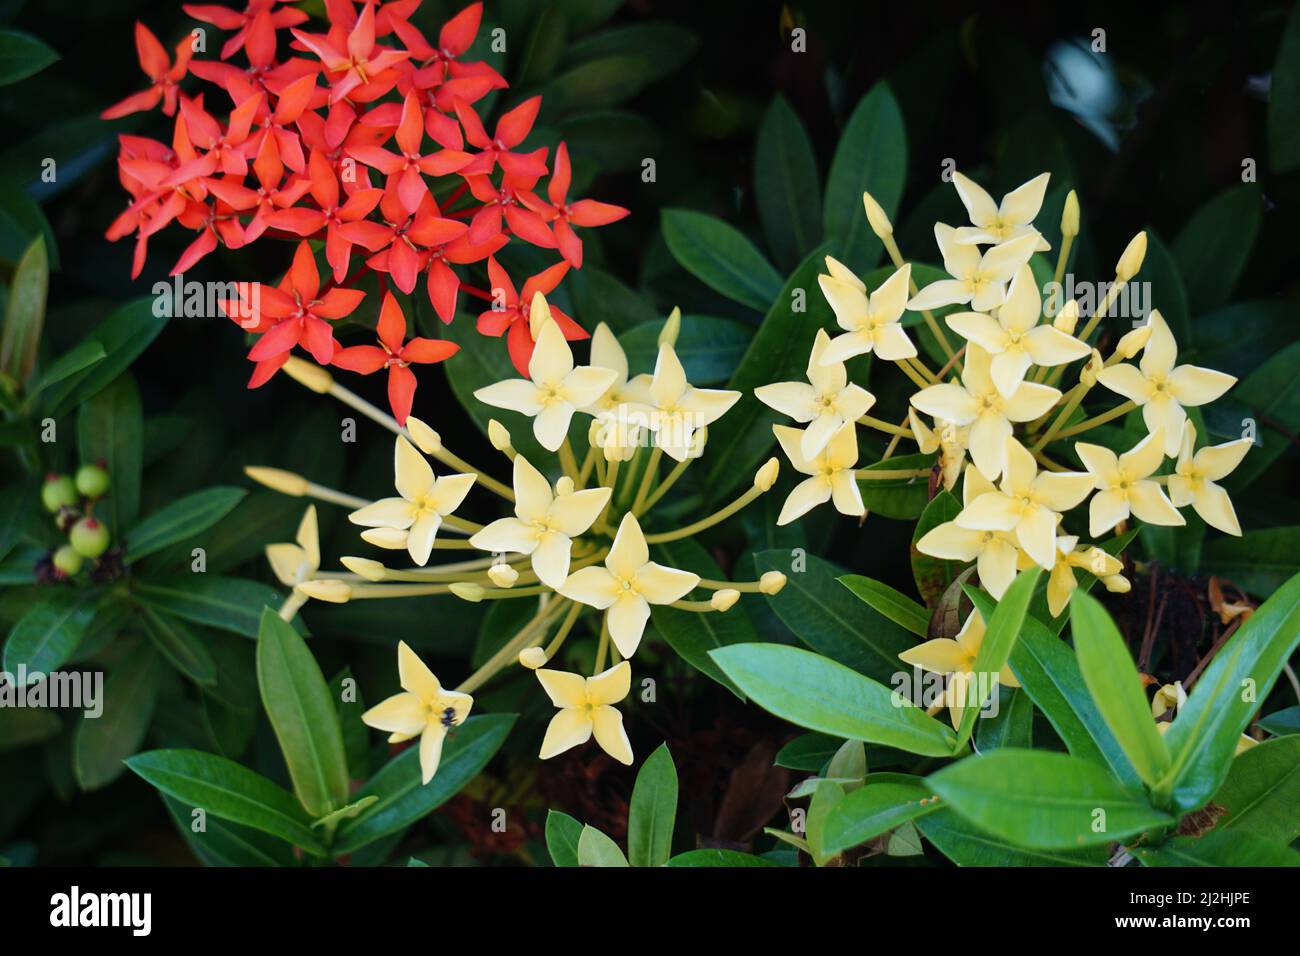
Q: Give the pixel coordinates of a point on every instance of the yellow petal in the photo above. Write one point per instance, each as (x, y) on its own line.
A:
(414, 675)
(941, 655)
(308, 537)
(1215, 508)
(402, 714)
(1217, 462)
(551, 559)
(1161, 351)
(413, 476)
(1193, 385)
(1105, 510)
(1036, 533)
(419, 539)
(569, 728)
(629, 551)
(610, 685)
(593, 586)
(808, 494)
(564, 689)
(608, 725)
(385, 513)
(431, 750)
(449, 491)
(552, 359)
(1148, 502)
(661, 585)
(515, 394)
(1126, 380)
(627, 618)
(669, 381)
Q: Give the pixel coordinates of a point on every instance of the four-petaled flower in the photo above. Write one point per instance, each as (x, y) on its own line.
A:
(165, 76)
(674, 409)
(293, 564)
(996, 223)
(978, 279)
(955, 658)
(586, 708)
(995, 552)
(832, 471)
(1195, 477)
(1124, 485)
(870, 322)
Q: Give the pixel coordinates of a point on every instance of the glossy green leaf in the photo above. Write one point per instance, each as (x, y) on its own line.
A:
(725, 858)
(110, 426)
(1259, 561)
(1002, 629)
(653, 810)
(77, 359)
(50, 632)
(721, 257)
(1262, 792)
(179, 645)
(130, 694)
(786, 185)
(297, 701)
(24, 316)
(229, 604)
(903, 499)
(597, 849)
(226, 843)
(126, 333)
(710, 348)
(184, 517)
(872, 810)
(934, 575)
(1281, 722)
(893, 604)
(1214, 246)
(817, 693)
(1218, 849)
(1046, 800)
(967, 845)
(1284, 99)
(21, 56)
(1011, 726)
(562, 833)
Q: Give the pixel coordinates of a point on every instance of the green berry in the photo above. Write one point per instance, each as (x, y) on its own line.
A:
(92, 481)
(89, 537)
(58, 492)
(67, 561)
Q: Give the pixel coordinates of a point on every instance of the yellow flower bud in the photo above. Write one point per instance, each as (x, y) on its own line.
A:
(467, 591)
(876, 217)
(926, 440)
(1131, 261)
(765, 477)
(1134, 342)
(499, 435)
(532, 658)
(368, 568)
(1088, 374)
(672, 328)
(390, 539)
(1068, 318)
(771, 582)
(503, 575)
(1070, 215)
(1116, 584)
(307, 374)
(335, 592)
(424, 437)
(285, 482)
(724, 599)
(564, 486)
(539, 313)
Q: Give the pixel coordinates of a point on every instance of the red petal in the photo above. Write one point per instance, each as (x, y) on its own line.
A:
(363, 359)
(457, 34)
(428, 351)
(520, 345)
(392, 324)
(401, 391)
(515, 125)
(443, 288)
(302, 275)
(589, 212)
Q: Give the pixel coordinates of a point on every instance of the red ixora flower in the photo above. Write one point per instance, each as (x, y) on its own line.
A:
(290, 133)
(396, 354)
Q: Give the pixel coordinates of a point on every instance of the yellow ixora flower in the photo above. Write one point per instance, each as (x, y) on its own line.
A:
(978, 403)
(1195, 477)
(995, 552)
(1161, 387)
(825, 405)
(627, 584)
(832, 474)
(424, 710)
(1070, 555)
(946, 438)
(1028, 503)
(1169, 700)
(980, 280)
(1124, 485)
(996, 223)
(586, 708)
(955, 659)
(606, 352)
(554, 389)
(1014, 338)
(674, 409)
(424, 502)
(870, 322)
(293, 564)
(545, 522)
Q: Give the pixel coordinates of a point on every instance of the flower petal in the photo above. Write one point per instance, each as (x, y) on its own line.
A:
(568, 729)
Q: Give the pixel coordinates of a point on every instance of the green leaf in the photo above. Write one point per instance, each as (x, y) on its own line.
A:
(130, 693)
(1284, 99)
(1218, 849)
(25, 314)
(1214, 246)
(123, 336)
(225, 789)
(23, 726)
(1011, 726)
(903, 499)
(110, 426)
(179, 645)
(778, 352)
(967, 845)
(827, 795)
(1000, 634)
(356, 736)
(562, 833)
(1116, 689)
(830, 620)
(228, 604)
(1165, 290)
(596, 849)
(184, 517)
(225, 843)
(77, 359)
(871, 157)
(347, 812)
(653, 810)
(872, 810)
(895, 605)
(819, 694)
(721, 257)
(297, 700)
(934, 575)
(543, 49)
(710, 348)
(402, 798)
(1259, 561)
(1205, 733)
(1046, 800)
(50, 632)
(786, 185)
(1049, 674)
(728, 858)
(1280, 723)
(21, 56)
(1262, 792)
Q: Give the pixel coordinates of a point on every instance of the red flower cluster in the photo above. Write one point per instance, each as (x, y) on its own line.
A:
(338, 141)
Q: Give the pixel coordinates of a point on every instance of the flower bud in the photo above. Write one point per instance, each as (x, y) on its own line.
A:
(926, 440)
(285, 482)
(1134, 342)
(563, 486)
(466, 590)
(390, 539)
(333, 591)
(532, 658)
(765, 477)
(424, 437)
(876, 217)
(771, 582)
(672, 328)
(1068, 318)
(503, 575)
(499, 436)
(307, 374)
(1116, 584)
(368, 568)
(539, 313)
(1088, 374)
(724, 599)
(1131, 261)
(1070, 215)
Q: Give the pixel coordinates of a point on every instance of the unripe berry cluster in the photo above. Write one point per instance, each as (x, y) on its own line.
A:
(71, 500)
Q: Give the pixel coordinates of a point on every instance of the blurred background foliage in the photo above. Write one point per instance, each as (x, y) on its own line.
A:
(759, 157)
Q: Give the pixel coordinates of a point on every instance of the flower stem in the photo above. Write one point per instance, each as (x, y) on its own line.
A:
(892, 474)
(912, 373)
(567, 460)
(884, 426)
(935, 329)
(1101, 419)
(510, 651)
(602, 648)
(678, 470)
(648, 477)
(321, 493)
(720, 515)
